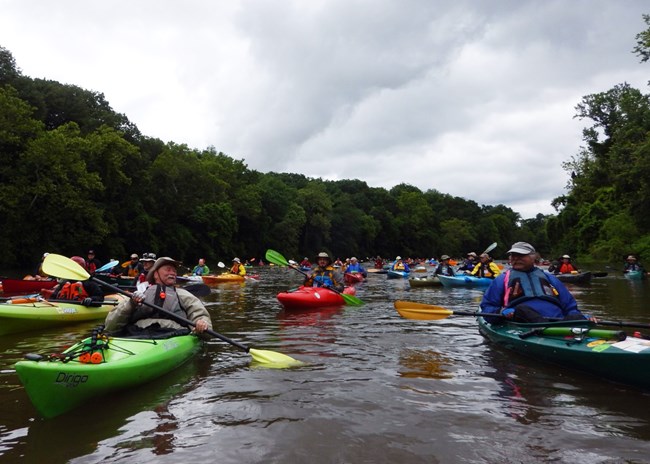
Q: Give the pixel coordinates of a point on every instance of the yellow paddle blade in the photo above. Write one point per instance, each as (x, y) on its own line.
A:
(63, 268)
(273, 359)
(421, 311)
(424, 314)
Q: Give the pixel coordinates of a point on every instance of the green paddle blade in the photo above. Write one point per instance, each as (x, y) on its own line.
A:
(63, 268)
(276, 258)
(351, 299)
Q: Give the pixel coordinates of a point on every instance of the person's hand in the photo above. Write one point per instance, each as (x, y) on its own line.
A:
(201, 326)
(87, 301)
(509, 313)
(137, 296)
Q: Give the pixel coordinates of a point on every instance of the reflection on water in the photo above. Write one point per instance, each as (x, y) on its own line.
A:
(376, 388)
(425, 364)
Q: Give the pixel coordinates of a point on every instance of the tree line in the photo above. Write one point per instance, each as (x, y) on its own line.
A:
(77, 175)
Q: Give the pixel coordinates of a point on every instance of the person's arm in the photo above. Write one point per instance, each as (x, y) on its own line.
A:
(476, 269)
(492, 301)
(194, 309)
(118, 318)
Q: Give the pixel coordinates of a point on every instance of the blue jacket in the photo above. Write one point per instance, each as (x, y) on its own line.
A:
(539, 290)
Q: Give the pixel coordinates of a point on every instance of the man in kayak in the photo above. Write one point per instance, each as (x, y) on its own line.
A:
(201, 269)
(526, 293)
(354, 266)
(324, 275)
(131, 317)
(400, 265)
(444, 268)
(631, 264)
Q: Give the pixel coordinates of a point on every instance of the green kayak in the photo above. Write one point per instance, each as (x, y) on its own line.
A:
(97, 366)
(579, 345)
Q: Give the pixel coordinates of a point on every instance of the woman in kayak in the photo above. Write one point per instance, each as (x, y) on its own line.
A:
(525, 293)
(324, 275)
(131, 317)
(485, 267)
(237, 267)
(566, 266)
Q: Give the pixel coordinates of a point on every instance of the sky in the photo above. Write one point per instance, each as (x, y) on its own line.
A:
(475, 99)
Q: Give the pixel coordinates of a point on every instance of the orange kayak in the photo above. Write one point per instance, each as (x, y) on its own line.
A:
(222, 279)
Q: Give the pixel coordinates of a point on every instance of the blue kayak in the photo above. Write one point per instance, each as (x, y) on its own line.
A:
(397, 274)
(464, 281)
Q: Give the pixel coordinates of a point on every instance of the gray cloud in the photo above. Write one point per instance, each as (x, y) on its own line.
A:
(475, 99)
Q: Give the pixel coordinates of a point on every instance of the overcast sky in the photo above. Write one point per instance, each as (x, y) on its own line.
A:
(471, 98)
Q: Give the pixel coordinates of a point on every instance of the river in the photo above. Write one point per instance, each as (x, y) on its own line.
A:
(375, 388)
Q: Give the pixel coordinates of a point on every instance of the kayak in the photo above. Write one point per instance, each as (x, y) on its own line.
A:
(12, 287)
(353, 277)
(634, 275)
(578, 278)
(98, 366)
(391, 274)
(312, 297)
(222, 279)
(425, 282)
(579, 345)
(464, 281)
(25, 314)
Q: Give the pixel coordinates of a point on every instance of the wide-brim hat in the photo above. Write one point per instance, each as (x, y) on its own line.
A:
(566, 257)
(323, 254)
(443, 257)
(631, 257)
(471, 253)
(160, 262)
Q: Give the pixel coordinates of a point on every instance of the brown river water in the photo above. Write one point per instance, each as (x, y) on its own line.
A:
(376, 388)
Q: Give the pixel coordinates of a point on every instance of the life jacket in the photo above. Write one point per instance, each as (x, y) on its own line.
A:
(323, 277)
(91, 267)
(399, 266)
(445, 270)
(523, 286)
(354, 268)
(159, 295)
(486, 270)
(567, 268)
(238, 269)
(133, 270)
(72, 291)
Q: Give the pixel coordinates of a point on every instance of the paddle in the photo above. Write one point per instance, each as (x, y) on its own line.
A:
(425, 312)
(107, 266)
(64, 268)
(490, 248)
(276, 258)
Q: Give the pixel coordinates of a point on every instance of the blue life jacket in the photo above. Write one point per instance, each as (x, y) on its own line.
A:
(525, 286)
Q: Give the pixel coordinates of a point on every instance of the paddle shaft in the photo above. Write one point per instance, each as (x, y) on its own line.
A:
(177, 318)
(603, 322)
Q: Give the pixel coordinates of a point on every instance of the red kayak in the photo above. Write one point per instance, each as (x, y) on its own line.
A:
(313, 297)
(353, 277)
(13, 287)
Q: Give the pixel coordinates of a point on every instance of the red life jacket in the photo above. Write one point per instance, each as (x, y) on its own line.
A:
(72, 291)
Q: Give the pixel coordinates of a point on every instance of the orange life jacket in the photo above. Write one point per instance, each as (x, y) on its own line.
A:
(72, 291)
